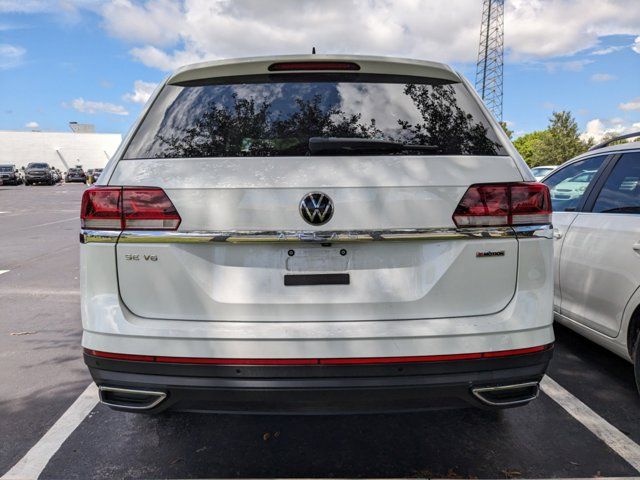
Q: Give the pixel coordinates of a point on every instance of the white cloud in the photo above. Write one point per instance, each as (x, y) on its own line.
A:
(636, 45)
(602, 77)
(166, 34)
(632, 105)
(141, 92)
(32, 125)
(89, 106)
(608, 50)
(567, 66)
(598, 128)
(11, 56)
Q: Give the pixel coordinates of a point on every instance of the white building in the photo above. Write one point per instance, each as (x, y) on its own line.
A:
(61, 150)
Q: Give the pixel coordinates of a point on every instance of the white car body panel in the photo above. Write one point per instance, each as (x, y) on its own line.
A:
(597, 279)
(226, 300)
(596, 287)
(110, 326)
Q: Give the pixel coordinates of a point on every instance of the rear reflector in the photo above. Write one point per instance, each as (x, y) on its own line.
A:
(319, 361)
(506, 204)
(312, 66)
(128, 208)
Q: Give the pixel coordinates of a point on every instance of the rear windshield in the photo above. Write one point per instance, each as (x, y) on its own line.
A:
(275, 115)
(38, 165)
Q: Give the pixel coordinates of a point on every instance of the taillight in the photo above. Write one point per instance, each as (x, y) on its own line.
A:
(488, 205)
(102, 208)
(148, 209)
(128, 208)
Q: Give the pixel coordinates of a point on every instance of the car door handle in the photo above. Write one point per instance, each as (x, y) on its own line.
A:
(557, 234)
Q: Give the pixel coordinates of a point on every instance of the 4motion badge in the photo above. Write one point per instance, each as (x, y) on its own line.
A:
(498, 253)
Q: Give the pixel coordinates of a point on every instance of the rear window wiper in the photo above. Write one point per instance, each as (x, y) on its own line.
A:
(318, 145)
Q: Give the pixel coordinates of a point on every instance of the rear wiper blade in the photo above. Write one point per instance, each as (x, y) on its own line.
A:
(362, 145)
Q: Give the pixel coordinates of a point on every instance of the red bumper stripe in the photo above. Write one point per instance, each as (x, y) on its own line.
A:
(318, 361)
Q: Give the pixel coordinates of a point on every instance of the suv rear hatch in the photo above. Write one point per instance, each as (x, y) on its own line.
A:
(232, 154)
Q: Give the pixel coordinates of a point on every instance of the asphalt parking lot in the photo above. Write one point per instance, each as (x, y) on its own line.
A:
(586, 422)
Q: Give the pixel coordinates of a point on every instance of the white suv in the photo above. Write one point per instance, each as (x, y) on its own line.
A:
(597, 254)
(316, 234)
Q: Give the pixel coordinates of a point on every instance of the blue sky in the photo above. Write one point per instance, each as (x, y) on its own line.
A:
(96, 61)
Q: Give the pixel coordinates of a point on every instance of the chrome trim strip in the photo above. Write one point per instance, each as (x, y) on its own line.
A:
(160, 397)
(305, 236)
(539, 231)
(314, 236)
(478, 391)
(99, 236)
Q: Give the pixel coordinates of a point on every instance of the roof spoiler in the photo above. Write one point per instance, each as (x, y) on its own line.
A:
(615, 139)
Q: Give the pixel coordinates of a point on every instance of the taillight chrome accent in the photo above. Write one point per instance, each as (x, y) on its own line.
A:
(504, 204)
(128, 208)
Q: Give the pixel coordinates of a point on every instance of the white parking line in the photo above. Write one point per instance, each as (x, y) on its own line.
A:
(614, 438)
(33, 463)
(49, 223)
(4, 271)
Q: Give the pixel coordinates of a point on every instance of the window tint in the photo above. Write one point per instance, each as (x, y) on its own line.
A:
(621, 191)
(275, 115)
(568, 184)
(38, 165)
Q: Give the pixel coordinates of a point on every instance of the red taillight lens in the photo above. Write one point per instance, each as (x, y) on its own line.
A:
(101, 208)
(530, 204)
(312, 66)
(118, 208)
(506, 204)
(148, 209)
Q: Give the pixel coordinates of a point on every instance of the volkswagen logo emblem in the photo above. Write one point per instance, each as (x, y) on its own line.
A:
(316, 208)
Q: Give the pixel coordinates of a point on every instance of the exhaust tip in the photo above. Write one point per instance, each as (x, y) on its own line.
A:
(130, 399)
(507, 395)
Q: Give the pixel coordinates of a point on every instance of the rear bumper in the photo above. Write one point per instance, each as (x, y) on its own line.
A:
(318, 389)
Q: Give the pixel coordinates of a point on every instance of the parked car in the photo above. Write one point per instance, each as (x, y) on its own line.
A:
(38, 173)
(96, 175)
(56, 175)
(597, 247)
(571, 189)
(542, 171)
(75, 174)
(289, 236)
(93, 174)
(10, 175)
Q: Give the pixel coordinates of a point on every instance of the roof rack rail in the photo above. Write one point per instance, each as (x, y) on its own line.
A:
(615, 139)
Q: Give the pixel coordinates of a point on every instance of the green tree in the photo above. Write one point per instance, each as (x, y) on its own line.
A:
(530, 146)
(555, 145)
(507, 130)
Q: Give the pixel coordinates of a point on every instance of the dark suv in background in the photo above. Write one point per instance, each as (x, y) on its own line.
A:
(75, 174)
(38, 173)
(9, 175)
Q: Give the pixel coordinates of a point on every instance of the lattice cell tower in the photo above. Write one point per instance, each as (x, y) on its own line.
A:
(491, 56)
